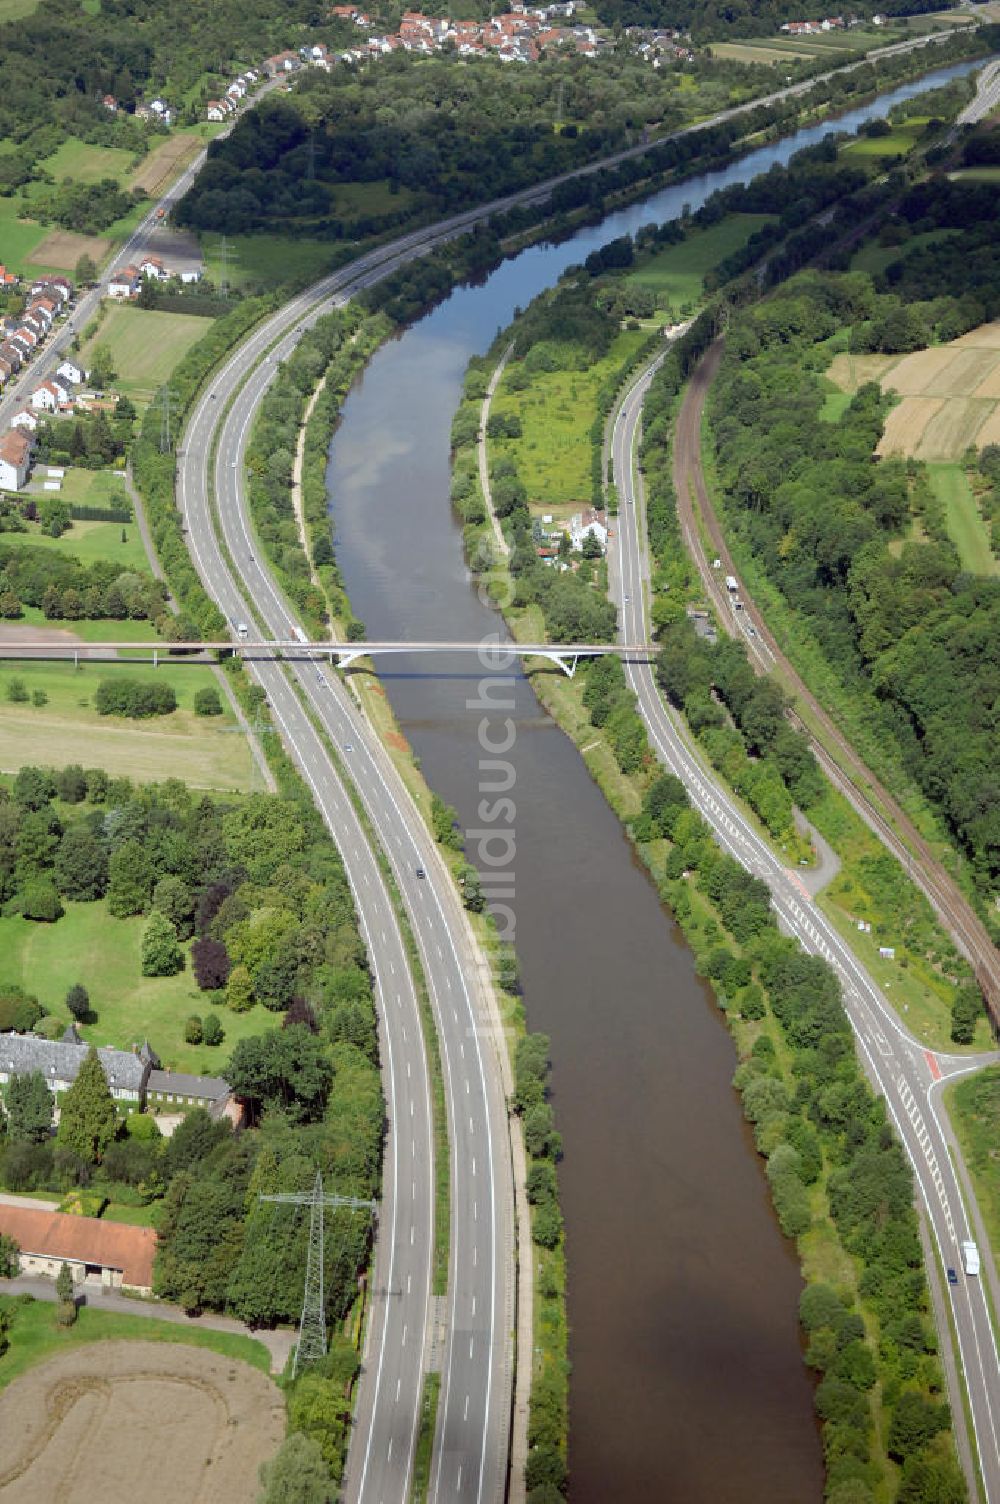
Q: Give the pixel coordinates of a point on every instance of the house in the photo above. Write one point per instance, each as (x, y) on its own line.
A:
(282, 62)
(215, 110)
(124, 284)
(25, 336)
(152, 267)
(15, 459)
(588, 523)
(24, 419)
(12, 354)
(251, 76)
(120, 1255)
(7, 279)
(193, 274)
(48, 397)
(170, 1090)
(56, 287)
(6, 370)
(237, 89)
(72, 373)
(110, 103)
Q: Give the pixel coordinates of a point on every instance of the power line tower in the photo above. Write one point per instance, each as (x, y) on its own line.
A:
(311, 157)
(311, 1345)
(165, 396)
(227, 255)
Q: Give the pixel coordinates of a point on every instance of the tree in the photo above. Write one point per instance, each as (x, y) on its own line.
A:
(320, 1407)
(81, 865)
(130, 880)
(239, 990)
(207, 702)
(78, 1002)
(9, 1264)
(174, 898)
(297, 1474)
(87, 1119)
(161, 953)
(40, 900)
(213, 1032)
(64, 1287)
(29, 1109)
(85, 271)
(211, 964)
(284, 1068)
(102, 366)
(194, 1029)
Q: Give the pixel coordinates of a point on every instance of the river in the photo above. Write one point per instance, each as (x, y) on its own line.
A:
(687, 1377)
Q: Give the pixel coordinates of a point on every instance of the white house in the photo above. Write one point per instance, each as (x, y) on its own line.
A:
(48, 397)
(24, 419)
(152, 266)
(588, 523)
(124, 284)
(71, 372)
(215, 110)
(15, 459)
(193, 274)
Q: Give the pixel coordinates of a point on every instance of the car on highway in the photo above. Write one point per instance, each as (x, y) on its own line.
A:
(421, 872)
(348, 747)
(625, 600)
(952, 1277)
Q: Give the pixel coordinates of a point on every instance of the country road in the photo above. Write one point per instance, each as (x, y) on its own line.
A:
(901, 1069)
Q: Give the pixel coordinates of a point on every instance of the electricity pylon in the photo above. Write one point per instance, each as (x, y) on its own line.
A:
(311, 1345)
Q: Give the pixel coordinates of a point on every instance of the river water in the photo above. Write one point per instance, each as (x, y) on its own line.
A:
(687, 1376)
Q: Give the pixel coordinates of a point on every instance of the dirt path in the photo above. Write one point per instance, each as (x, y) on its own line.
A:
(845, 768)
(300, 449)
(484, 464)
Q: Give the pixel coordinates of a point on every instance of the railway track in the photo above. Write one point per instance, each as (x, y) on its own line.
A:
(879, 809)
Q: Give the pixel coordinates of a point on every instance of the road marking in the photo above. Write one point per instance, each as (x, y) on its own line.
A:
(465, 1412)
(932, 1063)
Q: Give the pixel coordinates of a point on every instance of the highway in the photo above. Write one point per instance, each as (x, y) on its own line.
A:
(986, 98)
(900, 1068)
(474, 1409)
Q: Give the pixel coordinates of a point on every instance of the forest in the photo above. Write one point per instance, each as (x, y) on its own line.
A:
(911, 636)
(258, 888)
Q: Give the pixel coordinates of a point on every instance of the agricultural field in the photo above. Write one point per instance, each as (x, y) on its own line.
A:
(966, 528)
(88, 945)
(677, 272)
(85, 163)
(60, 250)
(204, 751)
(164, 162)
(950, 394)
(145, 346)
(89, 1422)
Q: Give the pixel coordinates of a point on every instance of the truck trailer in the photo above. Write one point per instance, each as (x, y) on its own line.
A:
(970, 1257)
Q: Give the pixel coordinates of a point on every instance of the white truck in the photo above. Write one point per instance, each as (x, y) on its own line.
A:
(970, 1257)
(732, 583)
(299, 635)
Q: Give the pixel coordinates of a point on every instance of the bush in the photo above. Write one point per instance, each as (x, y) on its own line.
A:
(212, 1032)
(207, 702)
(40, 900)
(136, 698)
(194, 1030)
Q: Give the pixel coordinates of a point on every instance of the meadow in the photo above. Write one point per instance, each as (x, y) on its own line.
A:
(87, 945)
(677, 272)
(145, 345)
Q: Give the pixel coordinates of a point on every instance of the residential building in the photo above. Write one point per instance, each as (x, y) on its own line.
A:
(282, 62)
(152, 267)
(216, 110)
(170, 1090)
(71, 372)
(15, 462)
(124, 284)
(7, 279)
(119, 1255)
(49, 397)
(25, 419)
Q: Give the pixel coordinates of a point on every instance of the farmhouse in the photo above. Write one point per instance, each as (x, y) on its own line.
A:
(120, 1255)
(165, 1089)
(15, 459)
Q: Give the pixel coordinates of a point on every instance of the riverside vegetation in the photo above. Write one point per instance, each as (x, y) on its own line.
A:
(840, 1183)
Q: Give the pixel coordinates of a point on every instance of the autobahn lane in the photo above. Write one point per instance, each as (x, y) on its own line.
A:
(470, 1457)
(475, 1398)
(898, 1065)
(387, 1416)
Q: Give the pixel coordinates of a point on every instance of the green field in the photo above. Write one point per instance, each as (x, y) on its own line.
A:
(145, 345)
(974, 1108)
(678, 271)
(878, 149)
(35, 1336)
(978, 174)
(13, 10)
(874, 258)
(834, 406)
(18, 237)
(267, 260)
(356, 200)
(966, 528)
(90, 541)
(87, 164)
(556, 412)
(206, 752)
(87, 945)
